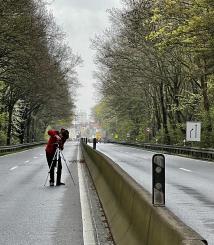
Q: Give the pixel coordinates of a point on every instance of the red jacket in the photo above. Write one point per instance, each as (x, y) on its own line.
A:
(52, 142)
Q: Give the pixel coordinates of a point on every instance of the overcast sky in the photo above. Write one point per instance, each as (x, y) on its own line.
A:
(81, 20)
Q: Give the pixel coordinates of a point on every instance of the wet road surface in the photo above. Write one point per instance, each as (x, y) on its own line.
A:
(189, 184)
(32, 214)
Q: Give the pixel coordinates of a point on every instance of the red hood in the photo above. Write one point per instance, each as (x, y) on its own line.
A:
(53, 132)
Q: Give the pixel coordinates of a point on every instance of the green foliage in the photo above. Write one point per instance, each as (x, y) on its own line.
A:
(37, 71)
(156, 69)
(181, 23)
(122, 126)
(176, 133)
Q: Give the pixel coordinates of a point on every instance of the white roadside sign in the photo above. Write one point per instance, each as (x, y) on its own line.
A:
(193, 131)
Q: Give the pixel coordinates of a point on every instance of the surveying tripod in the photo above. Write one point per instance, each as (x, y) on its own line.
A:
(58, 155)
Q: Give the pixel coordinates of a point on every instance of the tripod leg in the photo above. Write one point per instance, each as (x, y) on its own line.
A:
(67, 167)
(59, 171)
(51, 166)
(46, 179)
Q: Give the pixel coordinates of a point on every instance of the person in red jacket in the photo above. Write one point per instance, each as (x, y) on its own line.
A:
(56, 140)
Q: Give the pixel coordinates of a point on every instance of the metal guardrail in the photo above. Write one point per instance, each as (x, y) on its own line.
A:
(199, 153)
(6, 149)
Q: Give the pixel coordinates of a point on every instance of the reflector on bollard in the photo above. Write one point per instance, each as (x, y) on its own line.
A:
(158, 180)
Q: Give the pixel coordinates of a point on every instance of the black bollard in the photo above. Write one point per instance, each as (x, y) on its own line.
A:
(94, 143)
(158, 180)
(86, 141)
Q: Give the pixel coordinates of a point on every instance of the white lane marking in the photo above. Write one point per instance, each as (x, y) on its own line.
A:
(35, 157)
(184, 169)
(13, 168)
(41, 154)
(88, 231)
(27, 161)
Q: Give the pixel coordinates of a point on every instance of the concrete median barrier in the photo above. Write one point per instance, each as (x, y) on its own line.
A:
(128, 207)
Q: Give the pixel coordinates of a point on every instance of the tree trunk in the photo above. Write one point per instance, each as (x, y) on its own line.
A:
(205, 94)
(157, 114)
(208, 122)
(22, 133)
(28, 128)
(164, 115)
(33, 130)
(9, 127)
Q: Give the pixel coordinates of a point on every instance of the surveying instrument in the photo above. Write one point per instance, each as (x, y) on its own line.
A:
(58, 155)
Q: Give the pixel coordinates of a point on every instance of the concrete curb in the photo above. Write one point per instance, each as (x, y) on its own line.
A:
(128, 207)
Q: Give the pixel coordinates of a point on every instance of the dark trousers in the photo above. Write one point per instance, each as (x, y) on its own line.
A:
(52, 163)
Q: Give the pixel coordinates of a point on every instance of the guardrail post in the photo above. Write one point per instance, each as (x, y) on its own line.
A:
(94, 143)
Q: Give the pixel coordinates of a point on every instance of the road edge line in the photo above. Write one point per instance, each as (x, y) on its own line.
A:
(88, 230)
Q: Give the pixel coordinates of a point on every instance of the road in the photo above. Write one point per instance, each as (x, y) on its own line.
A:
(32, 214)
(189, 184)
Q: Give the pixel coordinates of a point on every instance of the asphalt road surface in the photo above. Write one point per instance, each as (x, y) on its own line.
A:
(189, 184)
(32, 214)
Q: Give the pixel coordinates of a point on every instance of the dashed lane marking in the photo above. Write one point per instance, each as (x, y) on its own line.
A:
(184, 169)
(13, 168)
(27, 161)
